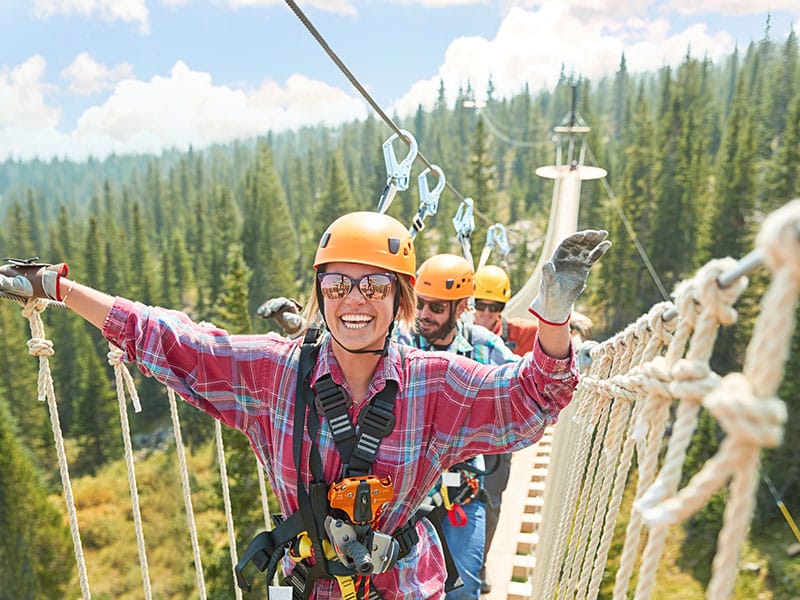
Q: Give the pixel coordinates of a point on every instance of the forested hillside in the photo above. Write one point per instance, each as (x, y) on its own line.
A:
(696, 154)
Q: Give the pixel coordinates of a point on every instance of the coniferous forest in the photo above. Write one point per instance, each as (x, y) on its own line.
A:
(696, 155)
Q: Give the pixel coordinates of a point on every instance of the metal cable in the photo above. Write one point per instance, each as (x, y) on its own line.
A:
(645, 259)
(375, 106)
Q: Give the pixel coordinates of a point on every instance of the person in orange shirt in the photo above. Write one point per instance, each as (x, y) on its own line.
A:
(492, 291)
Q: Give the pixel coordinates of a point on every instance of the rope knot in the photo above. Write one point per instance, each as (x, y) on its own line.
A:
(33, 306)
(692, 380)
(661, 329)
(744, 417)
(685, 302)
(115, 356)
(40, 347)
(656, 378)
(779, 239)
(718, 300)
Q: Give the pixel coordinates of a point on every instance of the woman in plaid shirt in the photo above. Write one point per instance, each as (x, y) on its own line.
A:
(448, 408)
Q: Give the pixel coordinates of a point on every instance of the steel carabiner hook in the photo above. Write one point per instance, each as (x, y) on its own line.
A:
(398, 173)
(464, 222)
(428, 200)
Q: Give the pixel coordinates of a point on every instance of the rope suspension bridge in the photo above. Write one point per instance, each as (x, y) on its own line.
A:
(574, 478)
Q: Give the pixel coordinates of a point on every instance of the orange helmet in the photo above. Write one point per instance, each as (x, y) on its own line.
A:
(446, 277)
(492, 283)
(368, 238)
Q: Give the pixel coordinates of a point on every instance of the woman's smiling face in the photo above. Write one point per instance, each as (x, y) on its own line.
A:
(354, 321)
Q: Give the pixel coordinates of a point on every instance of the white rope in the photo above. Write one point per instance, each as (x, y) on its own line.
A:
(115, 356)
(43, 348)
(187, 493)
(226, 497)
(605, 462)
(745, 406)
(572, 445)
(692, 377)
(652, 423)
(651, 341)
(115, 360)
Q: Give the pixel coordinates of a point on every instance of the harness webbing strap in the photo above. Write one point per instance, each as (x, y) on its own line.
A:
(331, 401)
(313, 504)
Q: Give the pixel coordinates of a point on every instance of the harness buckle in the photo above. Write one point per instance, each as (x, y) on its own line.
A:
(379, 421)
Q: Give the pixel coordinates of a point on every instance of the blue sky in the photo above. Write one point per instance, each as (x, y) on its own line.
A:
(90, 77)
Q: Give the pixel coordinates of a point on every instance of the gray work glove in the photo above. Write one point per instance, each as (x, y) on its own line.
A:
(23, 279)
(564, 275)
(286, 311)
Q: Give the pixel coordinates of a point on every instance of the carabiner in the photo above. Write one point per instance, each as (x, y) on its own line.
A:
(428, 200)
(495, 237)
(464, 222)
(397, 173)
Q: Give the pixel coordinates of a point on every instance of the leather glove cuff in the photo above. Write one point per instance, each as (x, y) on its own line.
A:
(537, 310)
(35, 280)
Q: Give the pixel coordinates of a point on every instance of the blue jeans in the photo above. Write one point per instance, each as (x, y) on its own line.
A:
(466, 546)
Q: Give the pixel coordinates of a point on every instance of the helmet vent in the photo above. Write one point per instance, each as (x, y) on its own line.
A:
(394, 245)
(449, 284)
(326, 237)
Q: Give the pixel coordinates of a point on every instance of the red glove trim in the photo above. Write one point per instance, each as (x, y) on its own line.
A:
(538, 316)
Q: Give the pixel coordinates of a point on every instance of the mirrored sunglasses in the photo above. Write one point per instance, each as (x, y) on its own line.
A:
(373, 286)
(437, 306)
(494, 307)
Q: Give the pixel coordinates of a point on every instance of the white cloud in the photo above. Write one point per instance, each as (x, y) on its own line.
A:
(129, 11)
(732, 7)
(86, 76)
(187, 108)
(22, 97)
(342, 7)
(531, 47)
(175, 111)
(440, 3)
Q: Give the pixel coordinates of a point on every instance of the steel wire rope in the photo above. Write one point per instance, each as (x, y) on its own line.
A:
(506, 137)
(375, 106)
(629, 228)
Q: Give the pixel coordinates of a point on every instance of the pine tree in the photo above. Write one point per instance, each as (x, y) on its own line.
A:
(783, 174)
(143, 286)
(622, 280)
(232, 311)
(35, 548)
(336, 199)
(268, 237)
(730, 228)
(96, 425)
(481, 185)
(18, 380)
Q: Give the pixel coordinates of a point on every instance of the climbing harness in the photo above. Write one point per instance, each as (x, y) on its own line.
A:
(334, 523)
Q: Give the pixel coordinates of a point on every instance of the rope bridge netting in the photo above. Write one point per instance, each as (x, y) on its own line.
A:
(642, 392)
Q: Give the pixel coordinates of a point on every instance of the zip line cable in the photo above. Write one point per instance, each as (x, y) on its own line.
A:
(375, 106)
(645, 259)
(506, 137)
